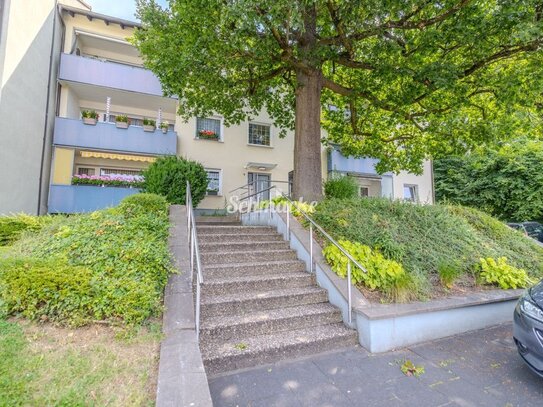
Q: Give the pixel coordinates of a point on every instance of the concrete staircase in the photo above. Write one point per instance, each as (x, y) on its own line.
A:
(259, 304)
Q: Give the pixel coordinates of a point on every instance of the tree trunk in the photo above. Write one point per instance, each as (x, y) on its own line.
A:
(307, 183)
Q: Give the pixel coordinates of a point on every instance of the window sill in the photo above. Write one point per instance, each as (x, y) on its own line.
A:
(218, 195)
(208, 139)
(259, 145)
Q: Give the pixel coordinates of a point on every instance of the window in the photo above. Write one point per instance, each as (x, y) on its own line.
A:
(259, 134)
(213, 182)
(208, 129)
(86, 171)
(118, 171)
(410, 193)
(363, 192)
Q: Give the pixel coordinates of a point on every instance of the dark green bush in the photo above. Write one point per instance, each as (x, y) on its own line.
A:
(168, 177)
(108, 265)
(11, 227)
(141, 204)
(340, 187)
(423, 238)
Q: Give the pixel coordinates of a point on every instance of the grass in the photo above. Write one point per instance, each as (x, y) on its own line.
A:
(434, 243)
(43, 364)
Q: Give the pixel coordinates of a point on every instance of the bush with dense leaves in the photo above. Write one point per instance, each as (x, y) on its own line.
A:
(168, 177)
(340, 187)
(422, 238)
(500, 273)
(111, 264)
(11, 227)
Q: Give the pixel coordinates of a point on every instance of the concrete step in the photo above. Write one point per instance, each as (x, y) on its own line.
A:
(253, 268)
(229, 285)
(222, 229)
(237, 327)
(248, 302)
(206, 247)
(257, 350)
(217, 220)
(224, 257)
(238, 237)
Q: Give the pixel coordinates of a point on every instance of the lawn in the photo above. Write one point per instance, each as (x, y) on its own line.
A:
(80, 305)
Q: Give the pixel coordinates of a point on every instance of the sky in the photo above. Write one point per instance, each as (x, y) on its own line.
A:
(125, 9)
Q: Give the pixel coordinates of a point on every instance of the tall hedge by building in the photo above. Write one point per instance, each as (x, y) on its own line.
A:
(506, 182)
(168, 177)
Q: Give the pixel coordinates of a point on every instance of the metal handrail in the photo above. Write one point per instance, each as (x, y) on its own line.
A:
(246, 186)
(312, 225)
(194, 255)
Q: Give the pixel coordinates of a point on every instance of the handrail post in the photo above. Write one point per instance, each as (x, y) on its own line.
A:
(288, 221)
(310, 247)
(349, 289)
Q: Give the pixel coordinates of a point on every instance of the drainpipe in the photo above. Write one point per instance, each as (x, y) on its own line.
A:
(44, 140)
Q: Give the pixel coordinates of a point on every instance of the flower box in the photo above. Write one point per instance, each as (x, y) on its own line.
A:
(90, 121)
(126, 181)
(90, 117)
(121, 125)
(148, 128)
(208, 135)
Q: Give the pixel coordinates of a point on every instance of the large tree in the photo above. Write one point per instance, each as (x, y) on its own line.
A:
(398, 80)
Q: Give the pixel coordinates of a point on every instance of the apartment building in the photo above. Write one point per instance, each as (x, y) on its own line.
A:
(83, 65)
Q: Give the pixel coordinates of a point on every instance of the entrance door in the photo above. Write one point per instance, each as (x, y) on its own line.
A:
(259, 182)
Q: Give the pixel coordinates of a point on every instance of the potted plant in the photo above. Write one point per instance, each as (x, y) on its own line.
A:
(89, 117)
(149, 125)
(121, 121)
(164, 126)
(208, 134)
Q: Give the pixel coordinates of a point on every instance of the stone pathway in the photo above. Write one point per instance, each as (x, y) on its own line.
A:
(477, 369)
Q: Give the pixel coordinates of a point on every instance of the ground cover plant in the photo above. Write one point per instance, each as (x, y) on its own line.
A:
(438, 246)
(110, 265)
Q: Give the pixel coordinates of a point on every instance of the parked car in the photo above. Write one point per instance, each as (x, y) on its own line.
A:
(528, 328)
(531, 229)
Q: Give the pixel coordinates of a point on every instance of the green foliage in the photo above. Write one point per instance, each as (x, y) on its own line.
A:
(121, 118)
(111, 264)
(416, 78)
(448, 272)
(106, 180)
(381, 273)
(149, 122)
(340, 187)
(408, 368)
(89, 114)
(168, 177)
(142, 204)
(280, 203)
(505, 182)
(424, 238)
(11, 227)
(502, 274)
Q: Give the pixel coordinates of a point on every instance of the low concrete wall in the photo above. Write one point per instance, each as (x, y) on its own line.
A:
(383, 327)
(182, 380)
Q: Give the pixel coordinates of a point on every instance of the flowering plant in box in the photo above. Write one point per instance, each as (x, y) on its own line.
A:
(135, 181)
(208, 134)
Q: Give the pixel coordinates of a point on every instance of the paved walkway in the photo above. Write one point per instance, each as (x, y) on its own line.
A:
(476, 369)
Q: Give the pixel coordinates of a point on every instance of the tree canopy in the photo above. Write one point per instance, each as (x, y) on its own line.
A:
(398, 80)
(506, 182)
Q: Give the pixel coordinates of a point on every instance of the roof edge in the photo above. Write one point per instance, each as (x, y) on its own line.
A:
(92, 15)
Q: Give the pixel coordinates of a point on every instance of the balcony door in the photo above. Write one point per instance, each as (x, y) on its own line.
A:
(259, 184)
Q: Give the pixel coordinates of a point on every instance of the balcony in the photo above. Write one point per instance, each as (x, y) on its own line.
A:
(105, 136)
(85, 198)
(337, 162)
(108, 74)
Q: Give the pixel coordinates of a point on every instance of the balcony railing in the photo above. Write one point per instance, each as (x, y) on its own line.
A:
(338, 162)
(84, 198)
(106, 136)
(109, 74)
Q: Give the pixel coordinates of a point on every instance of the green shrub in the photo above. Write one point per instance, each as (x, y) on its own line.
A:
(502, 274)
(11, 227)
(448, 272)
(141, 204)
(107, 265)
(38, 288)
(280, 202)
(340, 187)
(382, 274)
(168, 177)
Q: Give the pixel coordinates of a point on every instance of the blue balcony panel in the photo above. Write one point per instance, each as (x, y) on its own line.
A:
(109, 74)
(85, 198)
(105, 136)
(337, 162)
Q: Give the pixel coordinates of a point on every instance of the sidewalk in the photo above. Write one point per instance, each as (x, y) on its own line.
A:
(476, 369)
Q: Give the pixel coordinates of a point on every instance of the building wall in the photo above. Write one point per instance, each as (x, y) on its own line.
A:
(232, 155)
(27, 38)
(424, 183)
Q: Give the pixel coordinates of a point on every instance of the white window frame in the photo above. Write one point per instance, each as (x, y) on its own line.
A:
(219, 118)
(416, 190)
(219, 192)
(260, 124)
